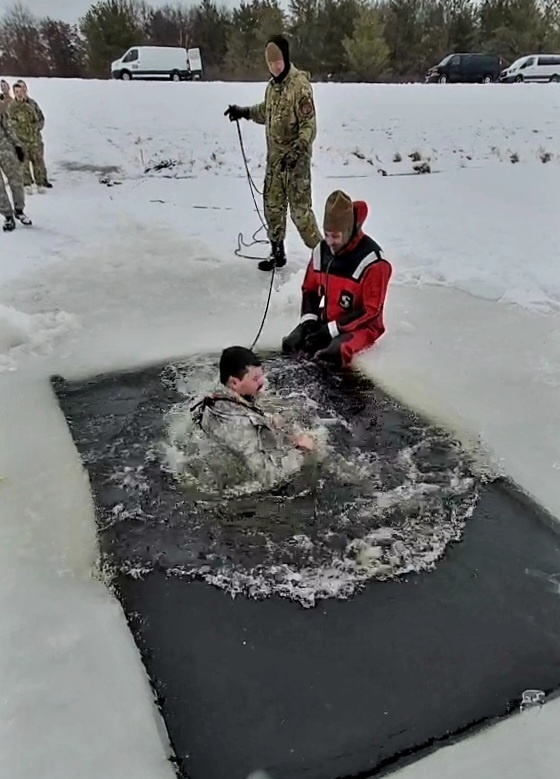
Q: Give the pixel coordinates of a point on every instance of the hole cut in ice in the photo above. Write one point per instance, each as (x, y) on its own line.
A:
(384, 495)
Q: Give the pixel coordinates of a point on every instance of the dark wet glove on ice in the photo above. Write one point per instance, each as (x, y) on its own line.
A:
(317, 340)
(294, 341)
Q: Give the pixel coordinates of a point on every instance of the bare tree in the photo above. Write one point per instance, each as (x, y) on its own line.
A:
(20, 39)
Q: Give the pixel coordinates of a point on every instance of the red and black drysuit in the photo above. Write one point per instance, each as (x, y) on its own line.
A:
(343, 296)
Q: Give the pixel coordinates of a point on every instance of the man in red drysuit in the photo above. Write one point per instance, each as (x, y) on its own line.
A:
(344, 289)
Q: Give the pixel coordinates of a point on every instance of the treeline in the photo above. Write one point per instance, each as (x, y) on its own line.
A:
(365, 40)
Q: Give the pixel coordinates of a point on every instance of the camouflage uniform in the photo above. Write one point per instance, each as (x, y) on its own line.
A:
(248, 433)
(5, 101)
(11, 167)
(288, 113)
(29, 120)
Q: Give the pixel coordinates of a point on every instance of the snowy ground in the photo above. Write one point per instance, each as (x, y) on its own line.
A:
(117, 276)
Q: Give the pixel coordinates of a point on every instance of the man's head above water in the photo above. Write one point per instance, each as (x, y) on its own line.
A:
(241, 371)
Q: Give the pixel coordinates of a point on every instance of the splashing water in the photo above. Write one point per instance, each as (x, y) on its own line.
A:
(384, 496)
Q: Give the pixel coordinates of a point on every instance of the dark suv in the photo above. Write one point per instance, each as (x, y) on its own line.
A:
(466, 68)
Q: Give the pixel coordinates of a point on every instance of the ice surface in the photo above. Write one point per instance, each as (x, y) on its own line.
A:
(524, 746)
(144, 270)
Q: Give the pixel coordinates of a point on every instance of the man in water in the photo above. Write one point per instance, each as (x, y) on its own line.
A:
(231, 416)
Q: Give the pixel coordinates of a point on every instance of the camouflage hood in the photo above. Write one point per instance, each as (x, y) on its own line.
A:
(305, 73)
(295, 74)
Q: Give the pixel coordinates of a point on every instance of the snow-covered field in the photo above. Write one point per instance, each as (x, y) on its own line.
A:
(144, 270)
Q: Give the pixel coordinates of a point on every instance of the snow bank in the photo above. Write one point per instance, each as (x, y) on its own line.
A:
(76, 701)
(364, 129)
(452, 227)
(491, 373)
(30, 334)
(521, 747)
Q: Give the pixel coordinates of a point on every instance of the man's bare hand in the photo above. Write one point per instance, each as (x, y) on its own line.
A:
(276, 421)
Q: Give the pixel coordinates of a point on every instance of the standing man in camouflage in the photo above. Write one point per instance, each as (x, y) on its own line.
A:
(288, 113)
(11, 159)
(29, 120)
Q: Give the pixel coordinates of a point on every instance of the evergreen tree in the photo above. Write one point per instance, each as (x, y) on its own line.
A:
(252, 24)
(65, 51)
(367, 51)
(110, 27)
(23, 50)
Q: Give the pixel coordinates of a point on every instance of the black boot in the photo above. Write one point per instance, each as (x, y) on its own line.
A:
(277, 257)
(9, 224)
(23, 218)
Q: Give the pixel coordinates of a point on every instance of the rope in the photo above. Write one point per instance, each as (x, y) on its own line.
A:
(254, 192)
(240, 240)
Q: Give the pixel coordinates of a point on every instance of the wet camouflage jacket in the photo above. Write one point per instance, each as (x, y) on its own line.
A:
(288, 113)
(245, 431)
(28, 119)
(8, 138)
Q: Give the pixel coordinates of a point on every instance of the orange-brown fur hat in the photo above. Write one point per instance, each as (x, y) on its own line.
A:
(339, 214)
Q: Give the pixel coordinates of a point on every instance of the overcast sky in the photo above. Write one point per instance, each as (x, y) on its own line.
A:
(70, 10)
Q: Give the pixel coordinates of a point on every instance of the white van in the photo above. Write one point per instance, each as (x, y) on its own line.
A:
(157, 62)
(533, 67)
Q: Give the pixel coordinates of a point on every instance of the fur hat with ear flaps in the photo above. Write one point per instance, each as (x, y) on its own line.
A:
(339, 214)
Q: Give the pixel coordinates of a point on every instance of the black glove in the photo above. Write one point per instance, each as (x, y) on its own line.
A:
(294, 341)
(318, 340)
(292, 157)
(235, 113)
(20, 153)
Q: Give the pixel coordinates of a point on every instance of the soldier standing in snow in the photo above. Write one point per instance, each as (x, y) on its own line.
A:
(29, 120)
(5, 96)
(288, 113)
(11, 159)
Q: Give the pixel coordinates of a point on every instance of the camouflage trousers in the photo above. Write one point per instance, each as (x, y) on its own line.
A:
(290, 188)
(34, 158)
(11, 167)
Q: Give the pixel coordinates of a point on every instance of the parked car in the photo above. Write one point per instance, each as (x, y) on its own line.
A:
(466, 68)
(157, 62)
(533, 67)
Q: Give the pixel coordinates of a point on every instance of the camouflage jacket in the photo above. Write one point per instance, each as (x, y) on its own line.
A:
(5, 101)
(8, 138)
(28, 119)
(249, 434)
(288, 113)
